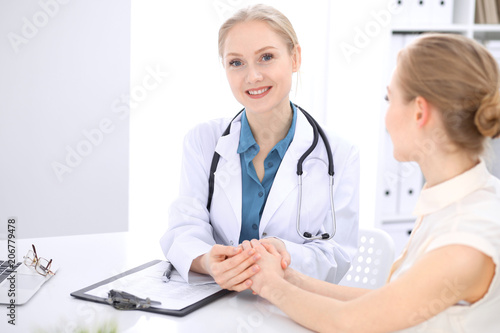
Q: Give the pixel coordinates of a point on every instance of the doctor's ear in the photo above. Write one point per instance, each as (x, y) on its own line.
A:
(296, 58)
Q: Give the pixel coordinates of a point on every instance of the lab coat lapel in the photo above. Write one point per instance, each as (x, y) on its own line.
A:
(286, 178)
(229, 172)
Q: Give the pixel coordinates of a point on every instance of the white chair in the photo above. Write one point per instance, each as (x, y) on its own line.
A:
(371, 265)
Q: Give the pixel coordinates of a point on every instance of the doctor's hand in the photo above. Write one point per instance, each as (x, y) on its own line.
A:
(280, 247)
(270, 266)
(231, 266)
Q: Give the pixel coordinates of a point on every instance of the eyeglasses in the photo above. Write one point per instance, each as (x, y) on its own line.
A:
(41, 265)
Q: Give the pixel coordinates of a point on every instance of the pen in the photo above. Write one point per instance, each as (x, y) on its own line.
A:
(168, 272)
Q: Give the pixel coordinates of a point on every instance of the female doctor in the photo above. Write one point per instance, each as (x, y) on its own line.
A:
(255, 194)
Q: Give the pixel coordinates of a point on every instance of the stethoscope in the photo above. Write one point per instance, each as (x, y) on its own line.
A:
(317, 131)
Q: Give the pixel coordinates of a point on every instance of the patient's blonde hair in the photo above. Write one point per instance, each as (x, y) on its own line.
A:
(460, 78)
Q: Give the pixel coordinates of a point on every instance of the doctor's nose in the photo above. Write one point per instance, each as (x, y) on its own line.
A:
(253, 75)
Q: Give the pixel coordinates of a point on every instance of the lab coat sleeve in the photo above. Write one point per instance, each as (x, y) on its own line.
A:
(330, 260)
(190, 233)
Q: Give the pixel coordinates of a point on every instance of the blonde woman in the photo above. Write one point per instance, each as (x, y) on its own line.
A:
(444, 104)
(255, 187)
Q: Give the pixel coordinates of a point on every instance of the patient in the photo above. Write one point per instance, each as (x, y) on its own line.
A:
(443, 106)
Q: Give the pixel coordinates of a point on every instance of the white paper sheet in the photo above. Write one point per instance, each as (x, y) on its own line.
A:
(174, 295)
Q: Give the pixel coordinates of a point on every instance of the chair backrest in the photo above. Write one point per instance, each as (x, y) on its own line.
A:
(371, 265)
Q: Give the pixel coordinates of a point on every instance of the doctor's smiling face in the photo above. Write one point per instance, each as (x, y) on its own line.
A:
(259, 67)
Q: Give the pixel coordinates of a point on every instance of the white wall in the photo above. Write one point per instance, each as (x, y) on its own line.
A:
(64, 65)
(343, 93)
(358, 75)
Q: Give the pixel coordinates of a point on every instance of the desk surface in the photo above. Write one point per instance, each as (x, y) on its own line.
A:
(87, 259)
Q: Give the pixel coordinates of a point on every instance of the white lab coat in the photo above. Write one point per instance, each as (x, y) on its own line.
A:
(192, 230)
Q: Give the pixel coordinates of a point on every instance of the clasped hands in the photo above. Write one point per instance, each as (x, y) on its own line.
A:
(236, 268)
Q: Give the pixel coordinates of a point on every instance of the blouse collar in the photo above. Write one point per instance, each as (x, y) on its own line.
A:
(437, 197)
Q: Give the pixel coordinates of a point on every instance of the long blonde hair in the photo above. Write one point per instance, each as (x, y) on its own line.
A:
(460, 78)
(273, 17)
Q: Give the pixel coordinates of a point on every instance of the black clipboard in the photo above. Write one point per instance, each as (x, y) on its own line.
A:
(81, 294)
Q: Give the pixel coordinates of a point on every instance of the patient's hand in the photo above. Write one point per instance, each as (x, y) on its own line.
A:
(269, 266)
(280, 248)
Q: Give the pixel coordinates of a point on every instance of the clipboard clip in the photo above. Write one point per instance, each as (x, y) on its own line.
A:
(124, 301)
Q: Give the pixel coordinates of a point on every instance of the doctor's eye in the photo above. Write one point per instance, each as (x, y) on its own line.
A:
(235, 63)
(267, 57)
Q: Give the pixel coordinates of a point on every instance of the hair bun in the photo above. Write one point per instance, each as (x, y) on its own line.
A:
(487, 118)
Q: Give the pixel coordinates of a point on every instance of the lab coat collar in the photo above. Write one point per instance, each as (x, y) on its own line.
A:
(437, 197)
(227, 148)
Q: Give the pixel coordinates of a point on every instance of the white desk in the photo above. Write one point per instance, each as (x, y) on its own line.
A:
(87, 259)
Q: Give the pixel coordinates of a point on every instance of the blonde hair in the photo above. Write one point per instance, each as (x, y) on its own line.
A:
(263, 13)
(459, 77)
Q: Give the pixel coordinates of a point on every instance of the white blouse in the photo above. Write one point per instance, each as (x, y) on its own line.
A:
(464, 210)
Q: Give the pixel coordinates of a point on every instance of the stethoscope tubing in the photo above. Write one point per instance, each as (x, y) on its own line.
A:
(317, 132)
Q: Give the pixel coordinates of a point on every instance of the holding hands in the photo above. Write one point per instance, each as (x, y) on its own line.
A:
(232, 267)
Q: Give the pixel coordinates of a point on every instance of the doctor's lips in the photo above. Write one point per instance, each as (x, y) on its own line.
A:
(259, 92)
